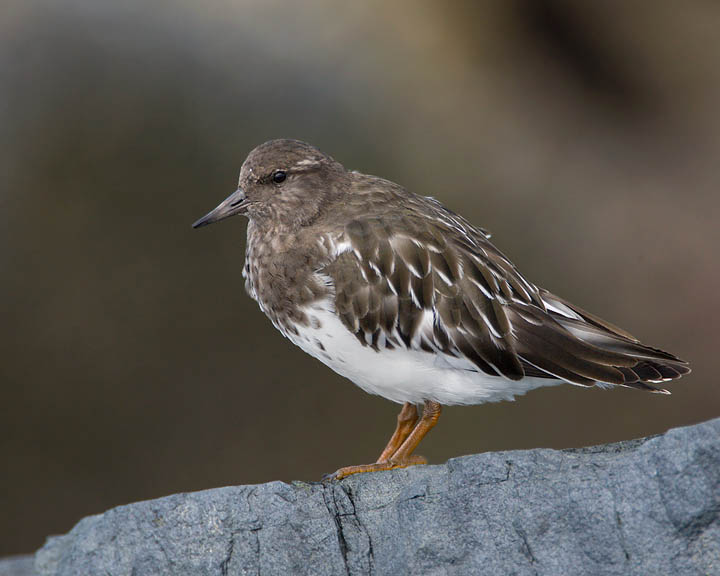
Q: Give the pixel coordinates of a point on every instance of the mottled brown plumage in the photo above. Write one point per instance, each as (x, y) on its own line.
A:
(417, 285)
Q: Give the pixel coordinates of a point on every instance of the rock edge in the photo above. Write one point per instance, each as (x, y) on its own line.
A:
(649, 506)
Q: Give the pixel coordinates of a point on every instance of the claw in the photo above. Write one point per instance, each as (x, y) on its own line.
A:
(413, 460)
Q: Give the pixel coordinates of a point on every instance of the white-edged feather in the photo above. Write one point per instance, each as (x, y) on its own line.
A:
(401, 374)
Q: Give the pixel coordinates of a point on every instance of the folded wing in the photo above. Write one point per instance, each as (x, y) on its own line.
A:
(441, 286)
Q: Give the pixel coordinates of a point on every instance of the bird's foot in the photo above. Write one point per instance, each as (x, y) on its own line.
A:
(375, 467)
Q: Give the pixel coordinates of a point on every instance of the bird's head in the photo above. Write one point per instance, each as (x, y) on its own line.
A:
(285, 182)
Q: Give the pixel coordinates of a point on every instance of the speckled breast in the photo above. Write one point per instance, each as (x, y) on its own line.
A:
(281, 275)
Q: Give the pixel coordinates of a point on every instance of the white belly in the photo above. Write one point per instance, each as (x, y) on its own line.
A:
(403, 375)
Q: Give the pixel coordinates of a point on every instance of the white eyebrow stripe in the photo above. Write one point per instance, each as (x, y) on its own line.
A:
(307, 162)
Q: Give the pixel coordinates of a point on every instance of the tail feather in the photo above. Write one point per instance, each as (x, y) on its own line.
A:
(567, 343)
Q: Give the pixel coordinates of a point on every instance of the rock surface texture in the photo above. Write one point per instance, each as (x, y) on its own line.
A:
(17, 566)
(649, 506)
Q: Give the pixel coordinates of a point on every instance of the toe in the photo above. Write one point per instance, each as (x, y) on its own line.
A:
(375, 467)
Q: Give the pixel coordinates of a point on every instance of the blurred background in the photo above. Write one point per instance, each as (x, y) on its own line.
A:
(585, 136)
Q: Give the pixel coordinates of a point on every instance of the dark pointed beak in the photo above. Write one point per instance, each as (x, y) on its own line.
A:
(233, 204)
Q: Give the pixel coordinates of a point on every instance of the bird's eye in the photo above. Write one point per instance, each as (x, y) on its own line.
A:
(279, 176)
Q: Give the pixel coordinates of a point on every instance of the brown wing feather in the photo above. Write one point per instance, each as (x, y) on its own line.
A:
(419, 292)
(438, 284)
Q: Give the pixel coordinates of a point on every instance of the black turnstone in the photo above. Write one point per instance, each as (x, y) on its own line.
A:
(408, 299)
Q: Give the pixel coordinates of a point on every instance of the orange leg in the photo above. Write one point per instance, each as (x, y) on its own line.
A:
(431, 414)
(406, 421)
(402, 457)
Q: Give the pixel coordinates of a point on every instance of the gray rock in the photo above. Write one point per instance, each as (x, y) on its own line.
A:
(17, 566)
(648, 506)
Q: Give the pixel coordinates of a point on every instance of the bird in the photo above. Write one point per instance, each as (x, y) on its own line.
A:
(409, 300)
